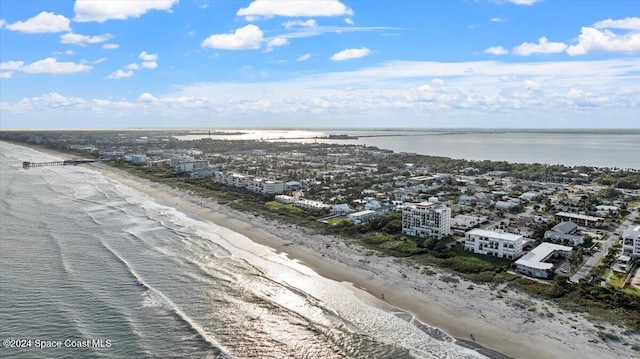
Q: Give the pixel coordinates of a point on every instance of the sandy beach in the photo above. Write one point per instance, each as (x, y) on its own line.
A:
(515, 325)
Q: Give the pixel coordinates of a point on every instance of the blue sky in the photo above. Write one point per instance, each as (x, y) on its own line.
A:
(322, 63)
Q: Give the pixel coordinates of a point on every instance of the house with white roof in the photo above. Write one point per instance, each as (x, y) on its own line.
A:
(537, 263)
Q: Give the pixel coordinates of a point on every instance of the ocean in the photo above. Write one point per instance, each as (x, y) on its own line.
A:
(101, 270)
(598, 148)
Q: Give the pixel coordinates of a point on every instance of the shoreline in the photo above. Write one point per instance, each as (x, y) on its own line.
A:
(499, 329)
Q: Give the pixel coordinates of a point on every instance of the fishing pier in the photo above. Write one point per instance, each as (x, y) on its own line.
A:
(28, 164)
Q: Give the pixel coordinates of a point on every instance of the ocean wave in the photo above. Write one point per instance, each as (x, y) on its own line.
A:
(157, 297)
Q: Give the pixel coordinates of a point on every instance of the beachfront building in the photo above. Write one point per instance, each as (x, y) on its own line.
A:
(138, 159)
(362, 216)
(492, 243)
(426, 219)
(282, 198)
(311, 204)
(580, 219)
(538, 262)
(232, 179)
(631, 241)
(191, 166)
(566, 233)
(265, 186)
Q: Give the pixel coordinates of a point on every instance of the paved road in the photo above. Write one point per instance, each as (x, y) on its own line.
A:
(591, 262)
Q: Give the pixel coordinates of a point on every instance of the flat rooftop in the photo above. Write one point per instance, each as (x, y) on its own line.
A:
(493, 234)
(579, 216)
(535, 258)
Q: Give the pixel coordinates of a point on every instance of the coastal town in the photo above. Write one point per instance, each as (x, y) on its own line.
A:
(551, 230)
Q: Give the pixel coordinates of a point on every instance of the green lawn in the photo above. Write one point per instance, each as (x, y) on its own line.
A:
(499, 262)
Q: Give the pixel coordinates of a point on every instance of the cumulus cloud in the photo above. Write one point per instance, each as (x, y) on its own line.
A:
(249, 37)
(276, 42)
(594, 40)
(49, 65)
(542, 47)
(119, 74)
(133, 66)
(101, 11)
(370, 95)
(348, 54)
(6, 74)
(629, 23)
(147, 97)
(84, 40)
(293, 8)
(300, 23)
(497, 19)
(348, 21)
(496, 50)
(304, 57)
(110, 46)
(41, 23)
(144, 56)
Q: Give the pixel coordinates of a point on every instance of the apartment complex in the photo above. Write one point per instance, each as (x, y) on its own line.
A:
(492, 243)
(254, 184)
(631, 241)
(538, 262)
(426, 219)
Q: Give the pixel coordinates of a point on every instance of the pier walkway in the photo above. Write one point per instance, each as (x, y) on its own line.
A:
(28, 164)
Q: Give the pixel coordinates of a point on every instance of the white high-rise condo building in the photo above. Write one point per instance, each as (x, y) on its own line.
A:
(631, 241)
(426, 219)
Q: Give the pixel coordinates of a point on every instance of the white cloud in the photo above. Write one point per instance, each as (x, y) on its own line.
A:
(276, 42)
(11, 65)
(304, 57)
(101, 11)
(293, 8)
(119, 74)
(594, 40)
(249, 37)
(498, 91)
(147, 97)
(84, 40)
(6, 74)
(348, 21)
(144, 56)
(438, 82)
(100, 60)
(497, 19)
(300, 23)
(531, 85)
(2, 23)
(348, 54)
(629, 23)
(542, 47)
(523, 2)
(496, 50)
(110, 46)
(132, 66)
(149, 65)
(41, 23)
(48, 65)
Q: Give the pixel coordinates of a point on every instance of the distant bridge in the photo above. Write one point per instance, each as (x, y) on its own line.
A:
(28, 164)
